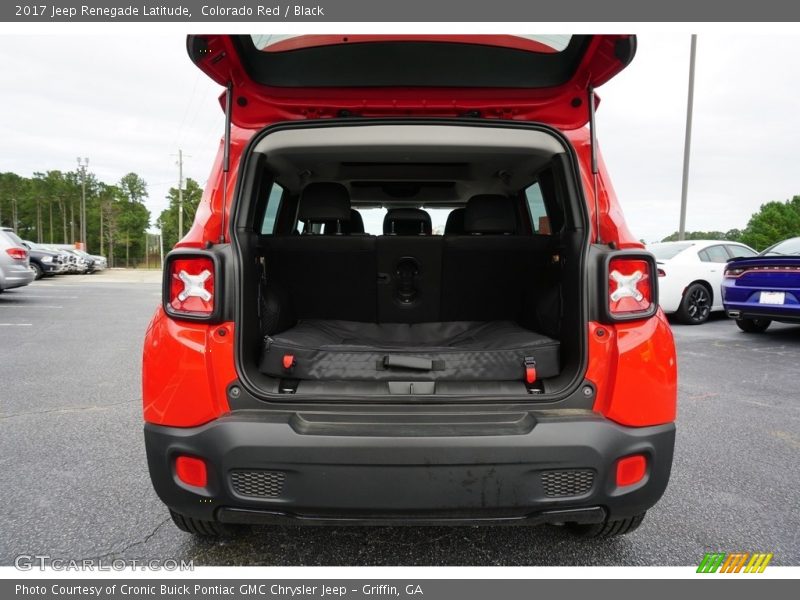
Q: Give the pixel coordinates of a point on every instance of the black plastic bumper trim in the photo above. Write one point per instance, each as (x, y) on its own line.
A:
(240, 516)
(408, 471)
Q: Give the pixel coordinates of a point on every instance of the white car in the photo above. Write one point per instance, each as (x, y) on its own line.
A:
(690, 276)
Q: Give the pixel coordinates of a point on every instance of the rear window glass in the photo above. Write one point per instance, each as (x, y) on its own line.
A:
(788, 247)
(14, 237)
(373, 219)
(740, 251)
(667, 251)
(271, 213)
(276, 42)
(500, 61)
(540, 221)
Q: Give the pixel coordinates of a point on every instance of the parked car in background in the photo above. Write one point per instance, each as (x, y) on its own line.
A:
(100, 262)
(69, 260)
(97, 263)
(690, 276)
(44, 262)
(80, 264)
(765, 288)
(15, 270)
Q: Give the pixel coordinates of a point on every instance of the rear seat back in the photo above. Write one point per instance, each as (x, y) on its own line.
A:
(409, 278)
(325, 276)
(485, 274)
(484, 270)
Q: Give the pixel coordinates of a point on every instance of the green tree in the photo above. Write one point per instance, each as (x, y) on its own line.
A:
(133, 187)
(46, 208)
(131, 221)
(11, 196)
(168, 219)
(775, 221)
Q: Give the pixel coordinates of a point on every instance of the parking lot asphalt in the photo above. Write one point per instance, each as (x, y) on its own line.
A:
(74, 482)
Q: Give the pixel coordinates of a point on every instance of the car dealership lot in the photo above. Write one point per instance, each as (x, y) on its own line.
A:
(74, 481)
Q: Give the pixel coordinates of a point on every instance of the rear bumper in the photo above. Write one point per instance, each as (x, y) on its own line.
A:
(13, 276)
(790, 314)
(743, 302)
(368, 469)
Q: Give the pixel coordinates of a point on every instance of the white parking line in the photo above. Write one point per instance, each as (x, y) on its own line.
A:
(10, 305)
(16, 324)
(54, 297)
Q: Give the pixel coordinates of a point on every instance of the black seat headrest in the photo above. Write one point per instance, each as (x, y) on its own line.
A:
(455, 222)
(320, 202)
(407, 221)
(490, 214)
(356, 222)
(353, 226)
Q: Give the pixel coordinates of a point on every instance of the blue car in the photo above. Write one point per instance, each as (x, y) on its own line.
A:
(765, 288)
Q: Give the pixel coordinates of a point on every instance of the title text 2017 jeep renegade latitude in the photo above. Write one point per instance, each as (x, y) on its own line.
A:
(509, 365)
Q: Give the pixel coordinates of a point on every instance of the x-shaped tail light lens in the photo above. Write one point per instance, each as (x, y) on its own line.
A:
(192, 285)
(629, 286)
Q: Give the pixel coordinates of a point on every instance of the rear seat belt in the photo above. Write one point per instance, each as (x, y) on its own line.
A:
(416, 363)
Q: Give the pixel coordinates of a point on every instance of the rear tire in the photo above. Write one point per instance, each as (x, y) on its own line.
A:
(37, 271)
(753, 325)
(606, 529)
(202, 528)
(695, 306)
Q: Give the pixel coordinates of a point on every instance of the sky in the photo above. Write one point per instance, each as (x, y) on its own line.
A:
(128, 103)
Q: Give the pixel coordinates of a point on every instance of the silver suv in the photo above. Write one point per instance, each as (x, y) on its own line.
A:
(15, 270)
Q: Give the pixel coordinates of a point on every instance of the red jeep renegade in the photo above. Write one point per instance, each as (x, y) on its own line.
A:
(488, 349)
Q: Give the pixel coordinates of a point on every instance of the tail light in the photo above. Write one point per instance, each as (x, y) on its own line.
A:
(191, 286)
(734, 272)
(631, 286)
(17, 253)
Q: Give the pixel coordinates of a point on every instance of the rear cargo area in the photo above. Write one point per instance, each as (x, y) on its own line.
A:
(487, 305)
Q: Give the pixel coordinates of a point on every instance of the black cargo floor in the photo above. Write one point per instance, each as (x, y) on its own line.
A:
(454, 350)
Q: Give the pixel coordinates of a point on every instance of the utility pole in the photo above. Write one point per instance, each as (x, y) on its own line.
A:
(101, 228)
(82, 165)
(14, 214)
(687, 146)
(38, 220)
(180, 194)
(161, 246)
